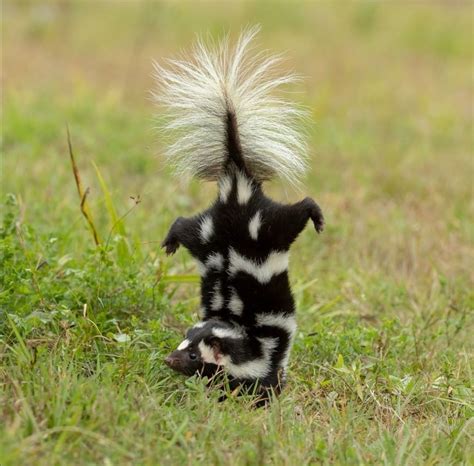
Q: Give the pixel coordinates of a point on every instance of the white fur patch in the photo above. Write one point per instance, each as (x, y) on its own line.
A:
(207, 353)
(217, 300)
(254, 225)
(201, 268)
(202, 314)
(258, 368)
(184, 344)
(283, 321)
(227, 333)
(236, 305)
(199, 325)
(274, 264)
(225, 186)
(244, 189)
(207, 229)
(285, 358)
(215, 261)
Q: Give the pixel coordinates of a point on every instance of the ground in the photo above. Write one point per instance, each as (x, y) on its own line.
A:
(381, 371)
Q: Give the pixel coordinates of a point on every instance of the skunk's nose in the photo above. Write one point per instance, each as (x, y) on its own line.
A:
(171, 362)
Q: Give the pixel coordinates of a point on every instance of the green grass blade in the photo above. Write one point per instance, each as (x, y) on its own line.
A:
(117, 224)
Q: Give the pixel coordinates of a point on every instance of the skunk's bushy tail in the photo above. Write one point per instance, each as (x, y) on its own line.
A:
(221, 108)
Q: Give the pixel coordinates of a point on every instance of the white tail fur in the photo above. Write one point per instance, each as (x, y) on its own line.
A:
(200, 92)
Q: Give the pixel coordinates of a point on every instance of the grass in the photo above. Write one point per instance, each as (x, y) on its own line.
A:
(381, 371)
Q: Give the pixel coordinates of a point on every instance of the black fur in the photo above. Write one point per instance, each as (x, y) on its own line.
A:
(281, 224)
(230, 235)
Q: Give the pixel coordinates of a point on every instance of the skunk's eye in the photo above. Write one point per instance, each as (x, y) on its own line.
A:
(192, 355)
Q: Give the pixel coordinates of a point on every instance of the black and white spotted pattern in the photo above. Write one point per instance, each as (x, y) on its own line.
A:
(231, 130)
(242, 247)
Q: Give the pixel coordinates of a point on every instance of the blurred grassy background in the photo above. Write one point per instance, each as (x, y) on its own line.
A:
(389, 86)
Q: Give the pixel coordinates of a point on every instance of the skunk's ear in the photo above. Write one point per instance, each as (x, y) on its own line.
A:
(215, 344)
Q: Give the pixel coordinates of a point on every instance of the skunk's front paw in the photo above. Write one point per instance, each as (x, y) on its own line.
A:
(170, 245)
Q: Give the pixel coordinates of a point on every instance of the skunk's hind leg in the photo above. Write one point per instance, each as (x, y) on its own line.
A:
(289, 220)
(315, 213)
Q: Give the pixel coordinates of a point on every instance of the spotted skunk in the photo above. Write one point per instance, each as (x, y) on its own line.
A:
(229, 128)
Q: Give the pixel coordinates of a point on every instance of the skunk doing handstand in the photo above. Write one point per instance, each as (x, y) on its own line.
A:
(230, 129)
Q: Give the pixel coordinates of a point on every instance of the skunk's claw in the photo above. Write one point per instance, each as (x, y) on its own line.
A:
(318, 222)
(316, 214)
(170, 246)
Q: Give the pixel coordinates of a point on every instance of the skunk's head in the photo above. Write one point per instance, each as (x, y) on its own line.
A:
(204, 348)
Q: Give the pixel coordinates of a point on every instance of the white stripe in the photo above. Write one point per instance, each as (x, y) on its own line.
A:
(244, 189)
(254, 225)
(184, 344)
(275, 263)
(283, 321)
(257, 369)
(201, 268)
(207, 229)
(199, 325)
(215, 261)
(285, 358)
(227, 333)
(217, 300)
(225, 186)
(207, 353)
(236, 305)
